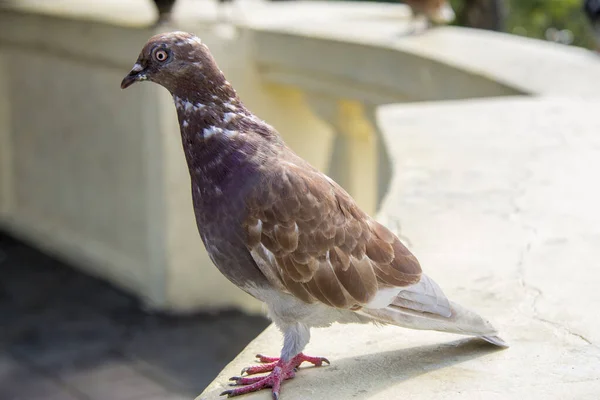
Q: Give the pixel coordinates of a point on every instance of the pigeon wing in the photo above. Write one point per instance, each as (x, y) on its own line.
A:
(311, 240)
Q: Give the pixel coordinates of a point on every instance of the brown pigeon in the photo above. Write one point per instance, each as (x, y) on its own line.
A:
(283, 231)
(426, 11)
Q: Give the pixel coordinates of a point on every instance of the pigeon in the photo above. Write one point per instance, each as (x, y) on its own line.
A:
(591, 8)
(164, 8)
(484, 14)
(283, 231)
(427, 11)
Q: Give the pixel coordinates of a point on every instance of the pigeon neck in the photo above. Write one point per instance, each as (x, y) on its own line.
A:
(203, 121)
(215, 91)
(213, 145)
(214, 105)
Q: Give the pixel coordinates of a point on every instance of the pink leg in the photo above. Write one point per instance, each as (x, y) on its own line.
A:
(253, 384)
(259, 369)
(266, 359)
(271, 362)
(280, 371)
(316, 361)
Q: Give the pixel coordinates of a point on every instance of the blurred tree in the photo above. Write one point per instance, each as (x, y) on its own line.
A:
(483, 14)
(534, 18)
(592, 12)
(559, 20)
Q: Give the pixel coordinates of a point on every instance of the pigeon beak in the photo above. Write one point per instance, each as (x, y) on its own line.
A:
(135, 75)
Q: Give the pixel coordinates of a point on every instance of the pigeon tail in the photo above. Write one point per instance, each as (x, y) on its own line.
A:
(461, 321)
(495, 340)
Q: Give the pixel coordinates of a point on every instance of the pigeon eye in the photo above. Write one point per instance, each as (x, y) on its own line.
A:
(161, 55)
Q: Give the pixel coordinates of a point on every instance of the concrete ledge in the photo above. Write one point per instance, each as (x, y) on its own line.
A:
(496, 199)
(317, 71)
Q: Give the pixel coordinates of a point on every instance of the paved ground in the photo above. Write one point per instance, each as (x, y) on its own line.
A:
(67, 336)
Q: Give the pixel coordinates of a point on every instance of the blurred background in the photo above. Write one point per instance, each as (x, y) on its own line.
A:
(562, 21)
(105, 289)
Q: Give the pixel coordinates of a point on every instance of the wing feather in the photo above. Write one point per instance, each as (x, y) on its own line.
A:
(306, 233)
(425, 296)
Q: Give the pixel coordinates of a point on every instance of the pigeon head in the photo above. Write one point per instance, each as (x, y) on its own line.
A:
(178, 61)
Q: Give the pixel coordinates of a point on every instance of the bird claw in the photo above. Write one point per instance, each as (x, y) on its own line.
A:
(266, 359)
(253, 384)
(279, 371)
(259, 369)
(245, 380)
(316, 361)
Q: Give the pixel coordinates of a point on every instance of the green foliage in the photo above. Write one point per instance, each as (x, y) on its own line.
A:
(533, 18)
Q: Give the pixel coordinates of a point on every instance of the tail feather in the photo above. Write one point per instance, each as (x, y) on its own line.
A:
(461, 321)
(495, 340)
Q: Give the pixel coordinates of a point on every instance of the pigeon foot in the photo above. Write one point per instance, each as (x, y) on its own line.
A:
(280, 371)
(271, 362)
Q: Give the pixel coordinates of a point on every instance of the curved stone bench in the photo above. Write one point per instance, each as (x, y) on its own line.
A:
(496, 197)
(499, 200)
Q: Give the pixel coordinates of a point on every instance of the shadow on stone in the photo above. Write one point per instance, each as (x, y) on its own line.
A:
(374, 372)
(369, 374)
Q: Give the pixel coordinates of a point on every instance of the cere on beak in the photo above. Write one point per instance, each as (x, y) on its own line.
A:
(136, 74)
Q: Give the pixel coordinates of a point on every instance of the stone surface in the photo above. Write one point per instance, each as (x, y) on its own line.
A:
(498, 200)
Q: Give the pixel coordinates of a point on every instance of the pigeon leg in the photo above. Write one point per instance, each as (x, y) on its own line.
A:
(258, 369)
(266, 359)
(316, 361)
(271, 362)
(280, 371)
